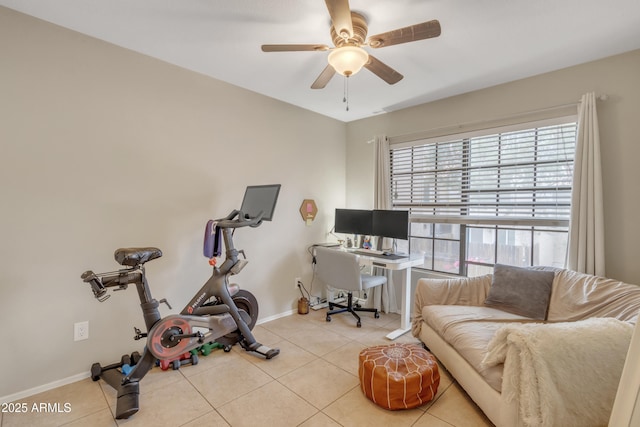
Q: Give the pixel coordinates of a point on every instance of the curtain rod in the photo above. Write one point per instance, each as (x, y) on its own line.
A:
(417, 135)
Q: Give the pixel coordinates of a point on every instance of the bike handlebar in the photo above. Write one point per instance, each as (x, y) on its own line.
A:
(100, 282)
(96, 284)
(242, 221)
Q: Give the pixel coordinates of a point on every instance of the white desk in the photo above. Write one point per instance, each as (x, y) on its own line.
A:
(403, 264)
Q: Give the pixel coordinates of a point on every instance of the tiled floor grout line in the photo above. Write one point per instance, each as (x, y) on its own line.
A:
(433, 402)
(205, 399)
(317, 357)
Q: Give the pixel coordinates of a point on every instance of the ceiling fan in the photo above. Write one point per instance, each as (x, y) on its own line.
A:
(349, 32)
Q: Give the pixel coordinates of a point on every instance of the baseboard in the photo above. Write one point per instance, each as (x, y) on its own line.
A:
(72, 379)
(45, 387)
(276, 316)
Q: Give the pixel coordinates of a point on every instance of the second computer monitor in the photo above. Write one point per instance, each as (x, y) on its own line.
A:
(391, 224)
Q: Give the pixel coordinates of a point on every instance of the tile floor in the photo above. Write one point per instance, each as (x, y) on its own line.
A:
(313, 382)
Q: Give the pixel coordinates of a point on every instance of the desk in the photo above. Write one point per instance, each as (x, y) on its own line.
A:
(403, 264)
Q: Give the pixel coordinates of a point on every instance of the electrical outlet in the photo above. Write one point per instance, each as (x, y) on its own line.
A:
(295, 283)
(81, 331)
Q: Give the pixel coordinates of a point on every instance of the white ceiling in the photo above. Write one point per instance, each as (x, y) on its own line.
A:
(483, 42)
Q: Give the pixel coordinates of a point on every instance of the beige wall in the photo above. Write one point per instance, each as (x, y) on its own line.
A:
(619, 120)
(101, 148)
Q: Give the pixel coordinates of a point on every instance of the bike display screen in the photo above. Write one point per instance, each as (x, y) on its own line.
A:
(260, 198)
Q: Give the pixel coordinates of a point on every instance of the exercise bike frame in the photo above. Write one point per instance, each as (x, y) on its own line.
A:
(172, 335)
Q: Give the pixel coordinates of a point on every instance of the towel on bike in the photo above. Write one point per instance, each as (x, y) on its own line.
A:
(212, 240)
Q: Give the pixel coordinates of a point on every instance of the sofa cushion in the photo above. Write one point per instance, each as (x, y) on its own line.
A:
(521, 291)
(579, 296)
(469, 329)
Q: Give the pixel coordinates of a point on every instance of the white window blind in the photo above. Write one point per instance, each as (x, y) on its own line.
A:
(513, 176)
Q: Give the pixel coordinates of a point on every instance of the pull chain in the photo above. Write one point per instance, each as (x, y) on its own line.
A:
(345, 97)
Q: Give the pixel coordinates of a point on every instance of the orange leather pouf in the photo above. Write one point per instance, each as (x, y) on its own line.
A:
(398, 376)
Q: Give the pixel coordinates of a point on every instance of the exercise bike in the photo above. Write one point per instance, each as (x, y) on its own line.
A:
(219, 311)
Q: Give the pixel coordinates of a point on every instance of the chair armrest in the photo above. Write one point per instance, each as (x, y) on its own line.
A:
(457, 291)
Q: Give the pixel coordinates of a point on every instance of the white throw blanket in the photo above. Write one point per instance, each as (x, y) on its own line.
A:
(562, 374)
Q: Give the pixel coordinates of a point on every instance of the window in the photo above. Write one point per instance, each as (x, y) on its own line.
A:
(497, 196)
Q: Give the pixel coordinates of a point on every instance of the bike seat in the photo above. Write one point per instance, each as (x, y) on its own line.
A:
(136, 256)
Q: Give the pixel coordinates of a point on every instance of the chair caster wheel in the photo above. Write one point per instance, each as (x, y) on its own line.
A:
(328, 318)
(376, 315)
(359, 324)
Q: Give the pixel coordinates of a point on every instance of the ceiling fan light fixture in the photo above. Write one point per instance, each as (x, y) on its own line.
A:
(348, 60)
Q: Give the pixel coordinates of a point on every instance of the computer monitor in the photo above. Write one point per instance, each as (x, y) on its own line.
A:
(353, 221)
(391, 224)
(260, 198)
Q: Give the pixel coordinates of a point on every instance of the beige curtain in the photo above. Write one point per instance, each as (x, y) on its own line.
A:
(384, 297)
(382, 196)
(585, 251)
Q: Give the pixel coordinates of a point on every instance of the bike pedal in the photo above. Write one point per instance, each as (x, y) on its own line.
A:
(138, 334)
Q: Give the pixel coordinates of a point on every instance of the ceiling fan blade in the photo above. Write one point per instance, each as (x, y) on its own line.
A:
(324, 77)
(293, 47)
(341, 17)
(383, 71)
(426, 30)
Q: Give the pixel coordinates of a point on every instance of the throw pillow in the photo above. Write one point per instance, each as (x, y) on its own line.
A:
(521, 291)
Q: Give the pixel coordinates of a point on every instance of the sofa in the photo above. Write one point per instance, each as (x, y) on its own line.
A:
(536, 346)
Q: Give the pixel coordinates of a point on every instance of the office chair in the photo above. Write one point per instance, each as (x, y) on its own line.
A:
(341, 270)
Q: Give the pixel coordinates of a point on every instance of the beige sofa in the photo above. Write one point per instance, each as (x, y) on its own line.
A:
(561, 369)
